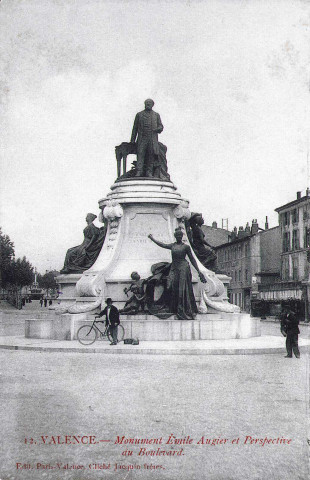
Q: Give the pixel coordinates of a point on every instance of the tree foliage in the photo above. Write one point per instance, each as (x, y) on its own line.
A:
(16, 273)
(6, 258)
(24, 274)
(47, 281)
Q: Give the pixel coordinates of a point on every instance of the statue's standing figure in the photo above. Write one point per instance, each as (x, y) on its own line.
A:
(179, 281)
(147, 126)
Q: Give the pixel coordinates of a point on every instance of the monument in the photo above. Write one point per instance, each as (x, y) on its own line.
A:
(146, 251)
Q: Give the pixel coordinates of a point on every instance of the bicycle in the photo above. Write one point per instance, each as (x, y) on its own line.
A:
(88, 334)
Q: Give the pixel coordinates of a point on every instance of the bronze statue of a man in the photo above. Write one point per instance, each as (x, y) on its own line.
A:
(147, 126)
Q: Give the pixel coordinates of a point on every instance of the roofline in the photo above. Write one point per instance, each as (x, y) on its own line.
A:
(237, 240)
(291, 204)
(268, 229)
(228, 232)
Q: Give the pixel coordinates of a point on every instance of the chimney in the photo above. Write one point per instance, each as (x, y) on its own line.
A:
(234, 234)
(241, 232)
(298, 195)
(214, 225)
(266, 224)
(247, 229)
(254, 228)
(308, 192)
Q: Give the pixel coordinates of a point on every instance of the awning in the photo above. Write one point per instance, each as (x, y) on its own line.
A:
(281, 294)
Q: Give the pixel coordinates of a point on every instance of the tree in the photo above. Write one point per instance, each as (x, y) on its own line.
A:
(47, 281)
(6, 258)
(14, 274)
(24, 274)
(18, 273)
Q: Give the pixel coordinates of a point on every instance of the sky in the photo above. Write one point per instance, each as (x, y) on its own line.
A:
(230, 80)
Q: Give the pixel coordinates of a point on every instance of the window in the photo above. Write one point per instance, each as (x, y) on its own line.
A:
(295, 215)
(239, 276)
(285, 268)
(307, 237)
(295, 268)
(286, 242)
(295, 240)
(286, 218)
(246, 275)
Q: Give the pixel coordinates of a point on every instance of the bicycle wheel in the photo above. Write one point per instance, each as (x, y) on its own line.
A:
(120, 334)
(86, 334)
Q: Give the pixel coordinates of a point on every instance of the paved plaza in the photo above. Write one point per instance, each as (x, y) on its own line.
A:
(103, 400)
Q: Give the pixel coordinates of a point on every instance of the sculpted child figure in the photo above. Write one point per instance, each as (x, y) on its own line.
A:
(136, 301)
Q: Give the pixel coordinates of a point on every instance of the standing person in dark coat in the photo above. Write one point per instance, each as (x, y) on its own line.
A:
(290, 323)
(147, 126)
(41, 302)
(111, 314)
(45, 302)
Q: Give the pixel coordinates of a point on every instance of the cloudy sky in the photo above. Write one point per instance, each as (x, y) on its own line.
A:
(230, 80)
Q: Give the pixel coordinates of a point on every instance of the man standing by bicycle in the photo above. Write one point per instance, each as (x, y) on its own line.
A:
(111, 319)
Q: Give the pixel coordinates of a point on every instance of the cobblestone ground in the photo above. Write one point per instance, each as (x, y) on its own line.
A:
(215, 397)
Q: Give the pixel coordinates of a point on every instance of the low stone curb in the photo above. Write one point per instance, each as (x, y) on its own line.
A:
(176, 349)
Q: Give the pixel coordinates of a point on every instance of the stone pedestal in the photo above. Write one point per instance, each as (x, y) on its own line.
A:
(150, 328)
(135, 208)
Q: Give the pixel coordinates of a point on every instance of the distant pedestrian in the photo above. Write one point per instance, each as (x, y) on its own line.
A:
(50, 302)
(111, 319)
(41, 302)
(289, 326)
(45, 302)
(23, 301)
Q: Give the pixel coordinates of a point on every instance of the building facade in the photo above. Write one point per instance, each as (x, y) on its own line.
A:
(214, 235)
(251, 258)
(294, 221)
(294, 284)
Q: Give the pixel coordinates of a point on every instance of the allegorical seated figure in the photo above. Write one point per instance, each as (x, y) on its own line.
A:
(136, 301)
(205, 253)
(81, 258)
(179, 279)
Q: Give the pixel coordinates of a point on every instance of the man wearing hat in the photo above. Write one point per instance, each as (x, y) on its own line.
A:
(111, 319)
(147, 126)
(290, 323)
